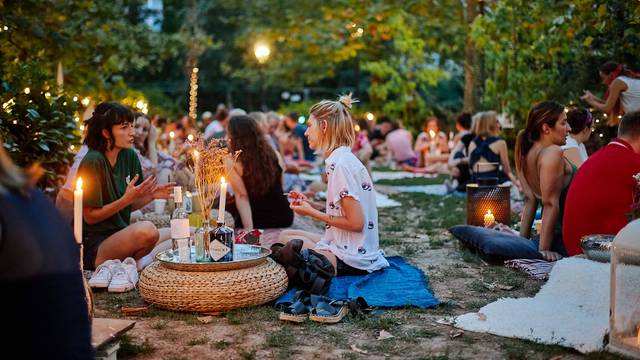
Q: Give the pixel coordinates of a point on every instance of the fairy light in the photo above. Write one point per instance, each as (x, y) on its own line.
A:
(72, 147)
(47, 94)
(370, 116)
(15, 122)
(75, 98)
(140, 104)
(76, 118)
(193, 94)
(27, 90)
(81, 127)
(190, 137)
(356, 128)
(86, 101)
(601, 135)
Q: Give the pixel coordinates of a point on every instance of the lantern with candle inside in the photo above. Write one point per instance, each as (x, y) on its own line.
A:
(624, 322)
(487, 201)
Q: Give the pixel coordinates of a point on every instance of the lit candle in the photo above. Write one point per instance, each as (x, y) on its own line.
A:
(223, 198)
(489, 219)
(77, 211)
(172, 143)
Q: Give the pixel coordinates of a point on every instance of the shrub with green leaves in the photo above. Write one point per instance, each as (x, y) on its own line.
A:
(38, 125)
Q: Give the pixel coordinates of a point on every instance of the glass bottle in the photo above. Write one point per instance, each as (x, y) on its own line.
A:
(180, 228)
(221, 245)
(202, 240)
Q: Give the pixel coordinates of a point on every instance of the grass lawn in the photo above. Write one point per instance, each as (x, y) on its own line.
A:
(416, 230)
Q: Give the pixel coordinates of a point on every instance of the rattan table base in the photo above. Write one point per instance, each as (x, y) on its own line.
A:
(201, 291)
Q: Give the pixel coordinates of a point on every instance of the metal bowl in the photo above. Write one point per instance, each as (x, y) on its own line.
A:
(597, 247)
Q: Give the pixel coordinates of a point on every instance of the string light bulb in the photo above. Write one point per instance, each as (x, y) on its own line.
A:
(86, 101)
(193, 94)
(27, 90)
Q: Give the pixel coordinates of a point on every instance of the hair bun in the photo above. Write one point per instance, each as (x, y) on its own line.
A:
(347, 101)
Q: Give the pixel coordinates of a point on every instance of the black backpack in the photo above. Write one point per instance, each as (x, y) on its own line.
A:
(306, 269)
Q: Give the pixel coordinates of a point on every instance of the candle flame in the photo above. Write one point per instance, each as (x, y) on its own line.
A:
(79, 184)
(222, 180)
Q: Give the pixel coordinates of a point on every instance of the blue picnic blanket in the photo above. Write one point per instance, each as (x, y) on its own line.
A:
(400, 284)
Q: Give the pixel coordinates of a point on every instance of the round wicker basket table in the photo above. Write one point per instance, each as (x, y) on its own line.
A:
(206, 291)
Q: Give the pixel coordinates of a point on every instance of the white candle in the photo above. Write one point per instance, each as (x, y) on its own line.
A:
(489, 219)
(223, 199)
(172, 142)
(77, 211)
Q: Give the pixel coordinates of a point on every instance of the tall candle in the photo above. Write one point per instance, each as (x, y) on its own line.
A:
(223, 198)
(172, 142)
(489, 219)
(77, 211)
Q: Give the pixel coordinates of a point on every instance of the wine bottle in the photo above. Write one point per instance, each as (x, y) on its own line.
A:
(180, 228)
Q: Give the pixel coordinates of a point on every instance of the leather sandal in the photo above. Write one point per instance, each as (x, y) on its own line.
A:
(298, 310)
(326, 310)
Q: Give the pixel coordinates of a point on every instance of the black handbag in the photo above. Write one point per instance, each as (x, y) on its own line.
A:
(306, 269)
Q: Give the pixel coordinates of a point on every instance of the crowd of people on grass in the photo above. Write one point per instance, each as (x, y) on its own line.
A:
(128, 159)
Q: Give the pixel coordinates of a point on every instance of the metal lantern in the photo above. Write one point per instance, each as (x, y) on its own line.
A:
(488, 199)
(624, 323)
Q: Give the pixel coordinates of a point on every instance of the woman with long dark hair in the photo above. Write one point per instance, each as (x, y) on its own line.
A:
(545, 174)
(256, 178)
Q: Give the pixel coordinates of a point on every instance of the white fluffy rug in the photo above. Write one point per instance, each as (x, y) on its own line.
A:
(436, 189)
(393, 175)
(383, 201)
(571, 309)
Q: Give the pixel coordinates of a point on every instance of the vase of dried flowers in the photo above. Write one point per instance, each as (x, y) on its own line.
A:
(211, 161)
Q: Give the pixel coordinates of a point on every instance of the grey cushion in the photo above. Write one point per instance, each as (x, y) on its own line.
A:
(496, 245)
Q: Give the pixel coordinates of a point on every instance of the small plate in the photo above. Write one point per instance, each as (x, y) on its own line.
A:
(244, 256)
(597, 247)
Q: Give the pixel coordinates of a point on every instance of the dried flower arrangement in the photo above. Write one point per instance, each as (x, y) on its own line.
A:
(212, 160)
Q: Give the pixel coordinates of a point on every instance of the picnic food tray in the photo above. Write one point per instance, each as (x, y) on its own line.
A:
(244, 256)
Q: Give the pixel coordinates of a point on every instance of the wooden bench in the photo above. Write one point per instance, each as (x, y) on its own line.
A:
(103, 336)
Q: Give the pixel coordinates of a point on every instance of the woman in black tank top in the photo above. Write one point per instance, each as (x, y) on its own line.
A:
(256, 179)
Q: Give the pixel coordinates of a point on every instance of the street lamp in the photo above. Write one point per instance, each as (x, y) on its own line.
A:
(262, 52)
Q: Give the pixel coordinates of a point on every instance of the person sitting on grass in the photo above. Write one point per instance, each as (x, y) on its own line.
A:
(39, 273)
(256, 178)
(600, 197)
(488, 154)
(581, 121)
(398, 142)
(350, 241)
(114, 186)
(545, 174)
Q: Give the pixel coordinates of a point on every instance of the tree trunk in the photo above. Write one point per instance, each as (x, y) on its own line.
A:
(470, 61)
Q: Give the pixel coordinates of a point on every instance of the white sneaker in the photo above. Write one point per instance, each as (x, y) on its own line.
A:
(103, 274)
(125, 276)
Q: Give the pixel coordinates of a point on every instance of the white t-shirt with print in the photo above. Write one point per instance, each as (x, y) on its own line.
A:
(348, 177)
